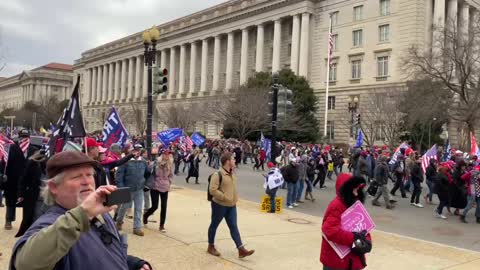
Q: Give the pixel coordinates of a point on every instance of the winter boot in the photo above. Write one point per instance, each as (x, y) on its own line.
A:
(243, 252)
(213, 251)
(306, 196)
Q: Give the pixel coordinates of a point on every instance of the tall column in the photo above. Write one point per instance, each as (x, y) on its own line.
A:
(428, 25)
(130, 78)
(173, 71)
(244, 57)
(260, 48)
(93, 95)
(138, 68)
(216, 63)
(304, 46)
(163, 59)
(464, 20)
(145, 80)
(98, 97)
(193, 66)
(111, 85)
(181, 72)
(88, 87)
(439, 23)
(277, 41)
(204, 78)
(123, 79)
(229, 69)
(452, 21)
(295, 44)
(117, 83)
(105, 82)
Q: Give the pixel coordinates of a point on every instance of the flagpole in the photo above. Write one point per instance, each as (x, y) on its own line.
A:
(328, 78)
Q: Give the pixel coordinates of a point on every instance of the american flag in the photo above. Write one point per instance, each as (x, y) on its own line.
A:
(429, 155)
(330, 42)
(24, 143)
(447, 152)
(186, 143)
(4, 146)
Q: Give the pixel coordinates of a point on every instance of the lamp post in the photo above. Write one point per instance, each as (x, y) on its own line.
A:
(275, 86)
(430, 131)
(150, 38)
(11, 117)
(352, 108)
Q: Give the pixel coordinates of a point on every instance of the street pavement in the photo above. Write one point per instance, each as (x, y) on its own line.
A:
(290, 240)
(405, 220)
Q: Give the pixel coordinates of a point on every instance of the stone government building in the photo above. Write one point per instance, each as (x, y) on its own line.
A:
(218, 48)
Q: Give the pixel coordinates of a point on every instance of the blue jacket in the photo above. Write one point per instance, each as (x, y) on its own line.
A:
(133, 174)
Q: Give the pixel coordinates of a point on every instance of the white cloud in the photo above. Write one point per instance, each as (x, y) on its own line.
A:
(12, 69)
(15, 7)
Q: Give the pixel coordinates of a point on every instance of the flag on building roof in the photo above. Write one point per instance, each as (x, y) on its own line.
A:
(429, 155)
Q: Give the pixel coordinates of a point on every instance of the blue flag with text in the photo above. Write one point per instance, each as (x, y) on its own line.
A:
(170, 135)
(113, 130)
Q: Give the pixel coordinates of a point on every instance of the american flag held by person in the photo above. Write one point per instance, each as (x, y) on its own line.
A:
(24, 144)
(186, 143)
(429, 155)
(4, 146)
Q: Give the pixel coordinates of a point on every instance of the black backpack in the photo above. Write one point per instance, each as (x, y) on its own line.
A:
(209, 196)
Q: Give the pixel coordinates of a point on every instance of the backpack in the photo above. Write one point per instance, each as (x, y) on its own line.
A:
(209, 196)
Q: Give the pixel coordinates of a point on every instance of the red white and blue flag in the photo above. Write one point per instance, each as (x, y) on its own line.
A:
(474, 150)
(429, 155)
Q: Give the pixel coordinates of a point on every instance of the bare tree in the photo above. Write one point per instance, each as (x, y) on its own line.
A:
(47, 108)
(454, 63)
(135, 115)
(181, 115)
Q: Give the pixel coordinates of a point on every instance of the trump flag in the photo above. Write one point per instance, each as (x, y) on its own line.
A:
(113, 130)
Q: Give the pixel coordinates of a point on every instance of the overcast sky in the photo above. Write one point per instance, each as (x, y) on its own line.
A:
(36, 32)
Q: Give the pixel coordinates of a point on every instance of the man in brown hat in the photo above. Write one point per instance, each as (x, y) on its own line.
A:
(76, 232)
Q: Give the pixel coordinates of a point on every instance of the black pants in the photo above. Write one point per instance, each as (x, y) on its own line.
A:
(320, 177)
(154, 194)
(417, 190)
(28, 216)
(10, 214)
(399, 184)
(177, 167)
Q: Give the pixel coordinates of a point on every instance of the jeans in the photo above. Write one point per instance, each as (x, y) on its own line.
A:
(291, 193)
(230, 214)
(309, 184)
(216, 162)
(137, 197)
(163, 208)
(408, 184)
(300, 186)
(177, 167)
(1, 196)
(430, 189)
(417, 190)
(272, 193)
(471, 199)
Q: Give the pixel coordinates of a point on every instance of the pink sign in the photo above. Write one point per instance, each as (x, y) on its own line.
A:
(354, 219)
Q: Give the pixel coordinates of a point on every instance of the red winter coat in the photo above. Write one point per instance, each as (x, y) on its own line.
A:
(332, 229)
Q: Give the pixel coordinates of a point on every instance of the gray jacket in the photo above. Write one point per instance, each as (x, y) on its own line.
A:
(302, 170)
(381, 173)
(133, 174)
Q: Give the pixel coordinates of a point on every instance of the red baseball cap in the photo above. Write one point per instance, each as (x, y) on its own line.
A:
(92, 143)
(270, 165)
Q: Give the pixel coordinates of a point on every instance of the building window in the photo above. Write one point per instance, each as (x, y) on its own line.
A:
(335, 42)
(379, 132)
(357, 38)
(331, 103)
(356, 69)
(333, 72)
(384, 7)
(384, 32)
(335, 18)
(382, 67)
(331, 130)
(290, 50)
(358, 13)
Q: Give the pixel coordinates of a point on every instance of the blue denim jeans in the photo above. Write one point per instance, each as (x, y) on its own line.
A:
(230, 214)
(137, 197)
(291, 193)
(430, 189)
(300, 186)
(273, 194)
(471, 199)
(309, 184)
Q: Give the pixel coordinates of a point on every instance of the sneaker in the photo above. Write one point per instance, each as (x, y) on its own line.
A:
(162, 229)
(413, 204)
(295, 204)
(8, 226)
(374, 203)
(290, 207)
(324, 187)
(437, 215)
(419, 205)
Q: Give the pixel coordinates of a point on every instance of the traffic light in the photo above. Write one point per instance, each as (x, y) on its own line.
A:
(284, 101)
(160, 80)
(357, 120)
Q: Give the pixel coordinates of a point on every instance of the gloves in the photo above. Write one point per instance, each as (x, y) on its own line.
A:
(360, 243)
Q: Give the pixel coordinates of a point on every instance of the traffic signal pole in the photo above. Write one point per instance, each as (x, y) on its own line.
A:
(273, 146)
(150, 60)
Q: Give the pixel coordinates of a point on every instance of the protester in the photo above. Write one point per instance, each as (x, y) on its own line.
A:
(381, 177)
(163, 176)
(473, 187)
(133, 174)
(458, 189)
(73, 234)
(416, 176)
(290, 174)
(273, 180)
(310, 178)
(223, 205)
(430, 174)
(349, 190)
(194, 170)
(400, 174)
(441, 188)
(302, 177)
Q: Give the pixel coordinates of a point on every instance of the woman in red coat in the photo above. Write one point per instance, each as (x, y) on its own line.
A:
(349, 190)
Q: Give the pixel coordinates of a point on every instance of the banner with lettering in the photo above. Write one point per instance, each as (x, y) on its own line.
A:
(170, 135)
(113, 130)
(197, 139)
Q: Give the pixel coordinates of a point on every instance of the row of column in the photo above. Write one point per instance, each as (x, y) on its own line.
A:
(28, 92)
(120, 80)
(299, 56)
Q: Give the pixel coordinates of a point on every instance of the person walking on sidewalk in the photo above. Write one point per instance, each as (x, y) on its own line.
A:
(416, 175)
(381, 177)
(224, 201)
(290, 174)
(163, 176)
(302, 177)
(430, 174)
(349, 190)
(399, 169)
(132, 175)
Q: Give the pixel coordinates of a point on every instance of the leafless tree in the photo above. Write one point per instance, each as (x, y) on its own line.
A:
(181, 115)
(134, 114)
(453, 63)
(47, 108)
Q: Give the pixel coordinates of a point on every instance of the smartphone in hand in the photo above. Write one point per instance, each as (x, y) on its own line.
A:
(119, 196)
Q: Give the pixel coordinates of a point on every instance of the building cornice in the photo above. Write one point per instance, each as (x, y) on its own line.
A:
(219, 15)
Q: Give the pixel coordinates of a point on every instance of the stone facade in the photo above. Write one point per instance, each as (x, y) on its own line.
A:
(217, 49)
(34, 85)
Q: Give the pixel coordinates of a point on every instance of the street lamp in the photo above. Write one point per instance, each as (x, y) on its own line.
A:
(275, 87)
(150, 38)
(352, 108)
